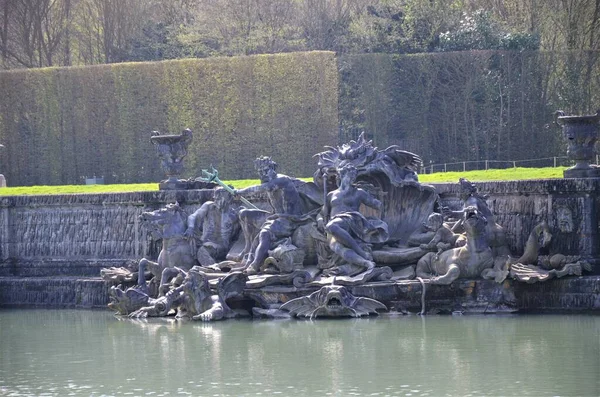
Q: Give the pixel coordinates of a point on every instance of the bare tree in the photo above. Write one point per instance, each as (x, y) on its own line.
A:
(324, 22)
(32, 31)
(5, 8)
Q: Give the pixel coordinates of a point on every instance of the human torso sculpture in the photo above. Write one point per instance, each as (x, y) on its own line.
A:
(348, 231)
(217, 222)
(285, 200)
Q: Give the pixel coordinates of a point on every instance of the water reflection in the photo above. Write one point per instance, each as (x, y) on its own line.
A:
(93, 353)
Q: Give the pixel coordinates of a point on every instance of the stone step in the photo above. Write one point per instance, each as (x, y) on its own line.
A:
(572, 294)
(54, 292)
(59, 267)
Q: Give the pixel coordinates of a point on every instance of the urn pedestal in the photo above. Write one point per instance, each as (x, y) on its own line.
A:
(171, 150)
(581, 133)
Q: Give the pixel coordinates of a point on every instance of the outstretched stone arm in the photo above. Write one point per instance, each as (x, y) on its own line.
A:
(251, 189)
(274, 184)
(448, 213)
(214, 177)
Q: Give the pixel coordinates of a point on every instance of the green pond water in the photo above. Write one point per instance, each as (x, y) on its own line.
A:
(93, 353)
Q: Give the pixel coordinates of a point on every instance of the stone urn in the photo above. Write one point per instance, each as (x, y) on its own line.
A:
(171, 150)
(581, 133)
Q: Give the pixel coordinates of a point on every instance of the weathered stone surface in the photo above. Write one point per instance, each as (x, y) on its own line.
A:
(95, 227)
(566, 294)
(465, 296)
(54, 292)
(519, 205)
(79, 234)
(52, 267)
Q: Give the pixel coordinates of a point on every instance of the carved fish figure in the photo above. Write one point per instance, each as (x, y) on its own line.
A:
(332, 301)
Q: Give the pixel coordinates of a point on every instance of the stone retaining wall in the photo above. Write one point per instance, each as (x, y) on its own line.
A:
(77, 235)
(55, 243)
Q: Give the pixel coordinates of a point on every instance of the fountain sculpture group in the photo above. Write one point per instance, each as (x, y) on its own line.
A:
(364, 220)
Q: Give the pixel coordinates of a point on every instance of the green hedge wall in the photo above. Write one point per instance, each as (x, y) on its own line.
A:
(471, 105)
(60, 125)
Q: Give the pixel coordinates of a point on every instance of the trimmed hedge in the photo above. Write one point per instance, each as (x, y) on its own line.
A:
(60, 125)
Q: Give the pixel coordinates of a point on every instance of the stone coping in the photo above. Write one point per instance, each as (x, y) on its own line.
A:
(198, 196)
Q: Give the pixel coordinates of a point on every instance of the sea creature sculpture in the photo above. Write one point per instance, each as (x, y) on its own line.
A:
(332, 301)
(193, 298)
(539, 237)
(468, 261)
(169, 224)
(530, 268)
(131, 299)
(496, 235)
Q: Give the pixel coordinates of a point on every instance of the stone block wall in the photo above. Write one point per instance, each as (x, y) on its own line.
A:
(77, 235)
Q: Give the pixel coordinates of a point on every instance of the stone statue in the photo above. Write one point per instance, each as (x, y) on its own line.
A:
(349, 232)
(169, 224)
(194, 299)
(426, 231)
(435, 235)
(393, 172)
(284, 258)
(469, 261)
(202, 238)
(131, 299)
(539, 237)
(216, 225)
(530, 268)
(398, 165)
(477, 259)
(472, 198)
(547, 268)
(332, 301)
(288, 214)
(369, 220)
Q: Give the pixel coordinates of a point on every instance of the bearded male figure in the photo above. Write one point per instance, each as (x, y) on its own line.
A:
(288, 213)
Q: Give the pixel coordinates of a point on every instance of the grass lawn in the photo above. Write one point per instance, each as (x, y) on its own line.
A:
(509, 174)
(440, 177)
(76, 189)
